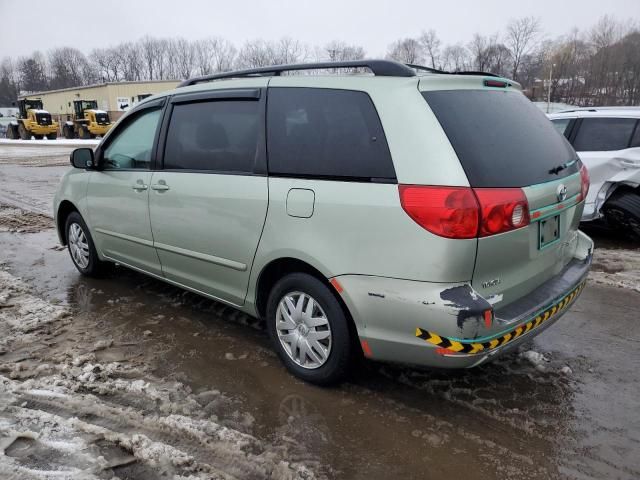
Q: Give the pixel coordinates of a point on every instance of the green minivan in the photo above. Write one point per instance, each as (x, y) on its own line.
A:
(396, 212)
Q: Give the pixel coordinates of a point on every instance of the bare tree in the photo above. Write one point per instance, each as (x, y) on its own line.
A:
(287, 50)
(406, 50)
(337, 51)
(455, 58)
(521, 38)
(223, 54)
(68, 67)
(431, 45)
(254, 54)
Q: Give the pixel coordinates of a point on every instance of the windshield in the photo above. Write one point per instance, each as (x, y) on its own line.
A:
(102, 117)
(501, 138)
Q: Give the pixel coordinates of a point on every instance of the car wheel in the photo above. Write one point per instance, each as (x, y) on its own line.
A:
(81, 247)
(622, 212)
(309, 329)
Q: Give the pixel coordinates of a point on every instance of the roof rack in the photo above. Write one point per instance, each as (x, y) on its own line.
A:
(381, 68)
(599, 109)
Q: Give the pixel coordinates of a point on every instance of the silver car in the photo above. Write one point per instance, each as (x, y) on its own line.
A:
(607, 140)
(407, 215)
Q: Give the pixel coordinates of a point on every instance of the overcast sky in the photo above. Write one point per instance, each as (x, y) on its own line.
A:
(35, 24)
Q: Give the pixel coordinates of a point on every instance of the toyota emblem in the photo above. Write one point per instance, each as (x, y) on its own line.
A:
(562, 192)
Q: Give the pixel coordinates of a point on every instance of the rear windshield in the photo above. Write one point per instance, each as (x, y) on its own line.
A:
(501, 138)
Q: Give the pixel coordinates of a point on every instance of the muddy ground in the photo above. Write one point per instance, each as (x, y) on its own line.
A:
(126, 377)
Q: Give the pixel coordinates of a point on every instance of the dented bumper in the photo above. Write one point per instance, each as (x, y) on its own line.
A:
(446, 325)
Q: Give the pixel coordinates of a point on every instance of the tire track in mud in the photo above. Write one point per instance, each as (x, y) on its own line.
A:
(68, 415)
(14, 219)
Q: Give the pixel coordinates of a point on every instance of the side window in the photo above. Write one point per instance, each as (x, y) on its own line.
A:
(603, 134)
(217, 136)
(325, 133)
(561, 125)
(131, 147)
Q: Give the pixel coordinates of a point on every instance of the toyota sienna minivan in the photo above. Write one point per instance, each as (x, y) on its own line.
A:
(407, 214)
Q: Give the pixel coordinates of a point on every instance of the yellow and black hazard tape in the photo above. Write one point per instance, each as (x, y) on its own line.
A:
(471, 347)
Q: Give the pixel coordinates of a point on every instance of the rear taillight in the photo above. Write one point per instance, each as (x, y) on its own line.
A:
(502, 209)
(584, 182)
(450, 212)
(463, 212)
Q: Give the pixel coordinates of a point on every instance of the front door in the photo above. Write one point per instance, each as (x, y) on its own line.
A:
(209, 201)
(118, 193)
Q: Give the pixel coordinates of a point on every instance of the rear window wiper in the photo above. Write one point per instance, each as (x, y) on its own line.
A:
(559, 168)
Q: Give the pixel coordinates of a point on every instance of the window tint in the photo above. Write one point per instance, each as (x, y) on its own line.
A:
(602, 134)
(561, 125)
(217, 136)
(635, 141)
(132, 145)
(501, 138)
(326, 133)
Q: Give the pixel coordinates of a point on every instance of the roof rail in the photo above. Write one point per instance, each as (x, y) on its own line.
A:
(425, 69)
(381, 68)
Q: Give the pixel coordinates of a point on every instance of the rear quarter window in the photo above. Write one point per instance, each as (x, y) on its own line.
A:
(501, 138)
(604, 134)
(325, 133)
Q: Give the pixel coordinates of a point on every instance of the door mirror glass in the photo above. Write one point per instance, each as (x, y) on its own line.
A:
(82, 158)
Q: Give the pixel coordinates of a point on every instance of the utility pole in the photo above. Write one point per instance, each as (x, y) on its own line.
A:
(549, 91)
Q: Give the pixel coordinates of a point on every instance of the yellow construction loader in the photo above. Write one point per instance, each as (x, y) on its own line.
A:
(87, 121)
(32, 121)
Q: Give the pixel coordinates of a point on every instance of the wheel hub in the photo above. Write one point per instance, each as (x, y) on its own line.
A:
(303, 330)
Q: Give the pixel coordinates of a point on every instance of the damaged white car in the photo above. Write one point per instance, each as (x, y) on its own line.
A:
(607, 140)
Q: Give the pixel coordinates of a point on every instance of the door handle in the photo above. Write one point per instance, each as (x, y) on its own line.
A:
(139, 186)
(160, 187)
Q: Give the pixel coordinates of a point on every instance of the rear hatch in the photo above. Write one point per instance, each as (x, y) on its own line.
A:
(510, 151)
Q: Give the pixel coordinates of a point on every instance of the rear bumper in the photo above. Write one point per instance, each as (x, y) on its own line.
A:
(419, 323)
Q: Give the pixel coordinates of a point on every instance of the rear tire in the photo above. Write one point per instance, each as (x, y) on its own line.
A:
(52, 136)
(317, 335)
(81, 247)
(38, 137)
(67, 131)
(12, 132)
(622, 212)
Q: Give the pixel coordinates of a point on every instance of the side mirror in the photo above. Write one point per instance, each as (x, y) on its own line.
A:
(82, 158)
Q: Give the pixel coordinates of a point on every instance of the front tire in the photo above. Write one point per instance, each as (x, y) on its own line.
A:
(52, 136)
(622, 212)
(24, 135)
(83, 133)
(81, 247)
(308, 329)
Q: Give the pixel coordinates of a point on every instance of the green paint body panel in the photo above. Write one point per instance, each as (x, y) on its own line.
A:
(214, 234)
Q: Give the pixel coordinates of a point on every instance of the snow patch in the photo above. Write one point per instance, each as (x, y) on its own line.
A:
(616, 268)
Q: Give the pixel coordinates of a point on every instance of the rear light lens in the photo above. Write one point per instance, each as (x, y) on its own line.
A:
(463, 212)
(450, 212)
(584, 182)
(502, 210)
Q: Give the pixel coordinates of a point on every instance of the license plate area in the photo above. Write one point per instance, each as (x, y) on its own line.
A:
(548, 231)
